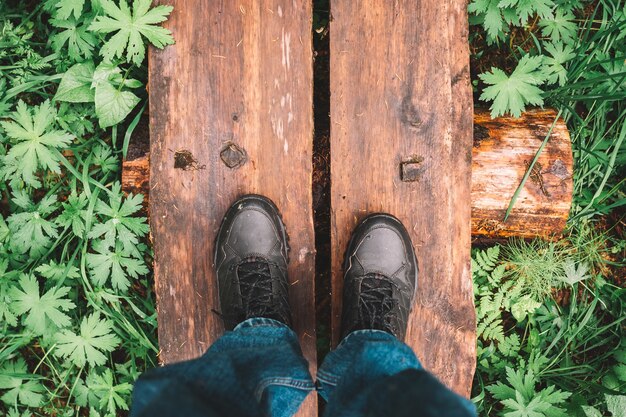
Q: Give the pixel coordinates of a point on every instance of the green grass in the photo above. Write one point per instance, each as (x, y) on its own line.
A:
(569, 342)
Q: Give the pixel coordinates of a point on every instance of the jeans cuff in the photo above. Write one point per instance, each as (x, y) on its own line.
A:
(339, 361)
(378, 334)
(260, 321)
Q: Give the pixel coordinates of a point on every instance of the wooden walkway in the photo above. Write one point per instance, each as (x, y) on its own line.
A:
(235, 89)
(401, 142)
(231, 113)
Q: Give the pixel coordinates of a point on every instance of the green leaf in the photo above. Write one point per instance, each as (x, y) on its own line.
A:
(554, 64)
(493, 20)
(119, 223)
(4, 229)
(554, 397)
(113, 105)
(520, 407)
(130, 27)
(109, 396)
(132, 83)
(108, 73)
(526, 8)
(520, 399)
(560, 27)
(512, 93)
(23, 387)
(614, 75)
(104, 158)
(74, 213)
(485, 260)
(41, 311)
(32, 135)
(510, 346)
(80, 42)
(6, 314)
(78, 118)
(89, 346)
(591, 411)
(66, 7)
(30, 230)
(524, 306)
(15, 413)
(57, 272)
(574, 274)
(616, 404)
(75, 85)
(94, 413)
(116, 264)
(104, 74)
(620, 370)
(520, 381)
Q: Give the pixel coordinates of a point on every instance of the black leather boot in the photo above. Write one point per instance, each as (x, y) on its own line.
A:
(251, 257)
(380, 277)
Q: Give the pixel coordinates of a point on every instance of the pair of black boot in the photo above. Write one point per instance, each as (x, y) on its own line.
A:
(251, 257)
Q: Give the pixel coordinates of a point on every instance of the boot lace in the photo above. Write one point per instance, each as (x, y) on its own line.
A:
(376, 303)
(256, 286)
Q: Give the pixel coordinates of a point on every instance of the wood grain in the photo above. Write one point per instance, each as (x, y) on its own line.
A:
(401, 92)
(240, 72)
(503, 149)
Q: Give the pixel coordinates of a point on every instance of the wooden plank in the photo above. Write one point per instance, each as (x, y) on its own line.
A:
(240, 73)
(401, 92)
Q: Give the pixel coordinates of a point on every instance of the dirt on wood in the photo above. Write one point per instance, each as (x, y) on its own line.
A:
(184, 159)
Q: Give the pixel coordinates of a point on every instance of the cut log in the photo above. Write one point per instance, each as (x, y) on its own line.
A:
(502, 148)
(401, 143)
(230, 114)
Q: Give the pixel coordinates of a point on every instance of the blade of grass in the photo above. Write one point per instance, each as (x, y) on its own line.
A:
(130, 130)
(530, 168)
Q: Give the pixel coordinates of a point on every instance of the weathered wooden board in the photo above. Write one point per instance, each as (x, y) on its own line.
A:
(503, 150)
(401, 93)
(240, 73)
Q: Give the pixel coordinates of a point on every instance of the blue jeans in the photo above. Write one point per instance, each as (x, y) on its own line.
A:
(258, 370)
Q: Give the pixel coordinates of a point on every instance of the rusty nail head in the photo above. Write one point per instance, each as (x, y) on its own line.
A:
(411, 170)
(232, 155)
